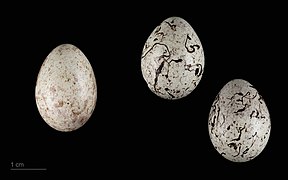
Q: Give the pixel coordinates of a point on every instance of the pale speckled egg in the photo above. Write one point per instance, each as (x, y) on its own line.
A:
(172, 61)
(239, 122)
(66, 89)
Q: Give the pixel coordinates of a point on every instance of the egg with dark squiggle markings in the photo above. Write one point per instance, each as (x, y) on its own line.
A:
(239, 122)
(172, 60)
(66, 90)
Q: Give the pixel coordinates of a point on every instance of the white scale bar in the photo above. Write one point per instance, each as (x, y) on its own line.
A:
(28, 169)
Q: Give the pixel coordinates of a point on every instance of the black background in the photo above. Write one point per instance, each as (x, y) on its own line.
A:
(132, 132)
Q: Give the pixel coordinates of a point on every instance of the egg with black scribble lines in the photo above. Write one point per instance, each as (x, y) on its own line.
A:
(172, 61)
(66, 89)
(239, 121)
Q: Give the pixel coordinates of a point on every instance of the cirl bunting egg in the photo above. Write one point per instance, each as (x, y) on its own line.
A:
(239, 122)
(172, 60)
(66, 90)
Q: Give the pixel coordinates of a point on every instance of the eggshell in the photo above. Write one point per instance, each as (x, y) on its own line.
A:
(239, 122)
(66, 90)
(172, 60)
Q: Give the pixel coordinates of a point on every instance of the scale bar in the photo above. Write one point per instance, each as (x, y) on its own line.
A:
(28, 169)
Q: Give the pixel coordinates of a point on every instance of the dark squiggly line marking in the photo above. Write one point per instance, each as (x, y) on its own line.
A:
(167, 90)
(240, 133)
(254, 134)
(153, 47)
(172, 26)
(215, 117)
(241, 110)
(194, 83)
(161, 34)
(158, 71)
(238, 151)
(157, 30)
(197, 68)
(218, 110)
(245, 152)
(191, 46)
(214, 107)
(256, 115)
(176, 60)
(260, 99)
(248, 93)
(197, 71)
(243, 96)
(247, 149)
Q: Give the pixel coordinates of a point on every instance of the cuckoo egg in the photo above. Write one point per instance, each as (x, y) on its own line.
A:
(239, 121)
(66, 90)
(172, 60)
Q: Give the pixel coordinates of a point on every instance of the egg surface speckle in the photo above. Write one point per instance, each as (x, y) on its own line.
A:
(172, 60)
(239, 122)
(66, 90)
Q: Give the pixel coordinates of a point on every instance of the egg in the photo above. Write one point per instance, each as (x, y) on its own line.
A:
(172, 61)
(239, 122)
(66, 90)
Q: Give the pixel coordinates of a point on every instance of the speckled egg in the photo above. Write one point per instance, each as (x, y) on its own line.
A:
(66, 88)
(172, 60)
(239, 122)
